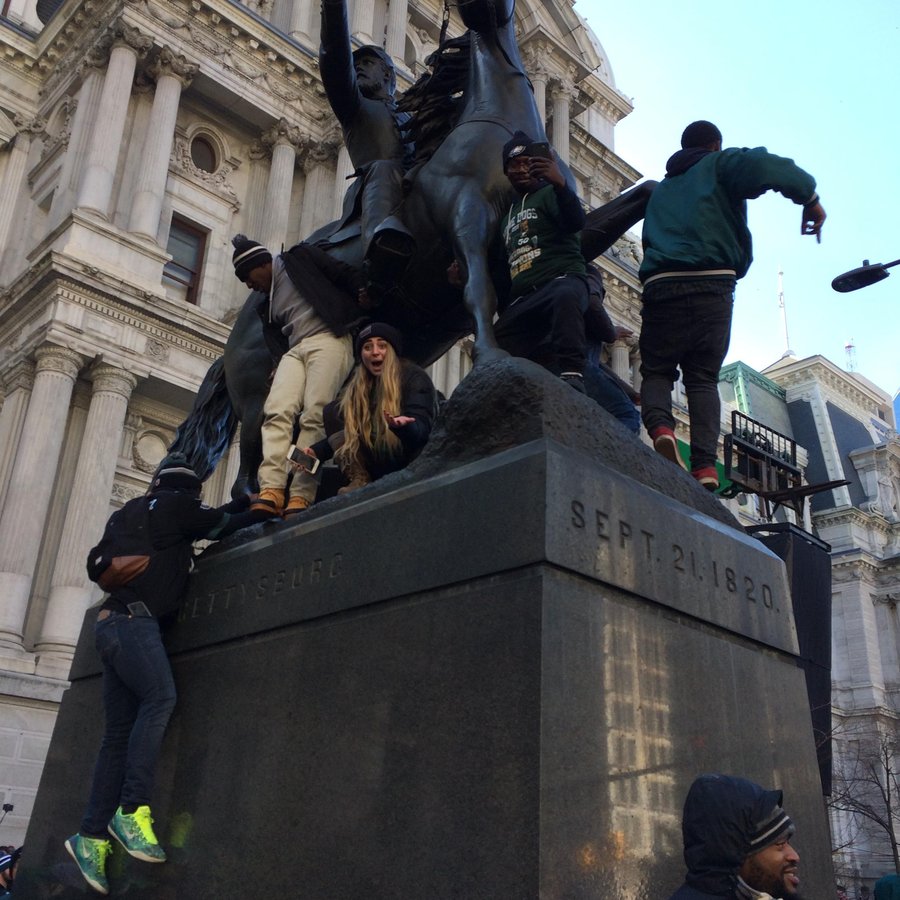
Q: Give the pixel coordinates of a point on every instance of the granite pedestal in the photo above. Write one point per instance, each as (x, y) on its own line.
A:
(492, 676)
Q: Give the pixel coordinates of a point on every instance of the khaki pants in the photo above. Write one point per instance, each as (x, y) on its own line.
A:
(308, 376)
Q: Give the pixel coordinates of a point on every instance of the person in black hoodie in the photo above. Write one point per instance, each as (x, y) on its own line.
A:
(736, 842)
(138, 688)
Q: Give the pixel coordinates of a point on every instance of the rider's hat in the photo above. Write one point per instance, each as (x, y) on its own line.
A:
(384, 56)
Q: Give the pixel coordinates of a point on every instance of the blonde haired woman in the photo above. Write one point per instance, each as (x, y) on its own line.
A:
(386, 411)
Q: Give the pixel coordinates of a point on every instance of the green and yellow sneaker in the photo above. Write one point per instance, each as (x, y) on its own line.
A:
(90, 857)
(135, 833)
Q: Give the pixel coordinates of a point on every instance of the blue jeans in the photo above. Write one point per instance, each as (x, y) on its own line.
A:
(138, 699)
(604, 390)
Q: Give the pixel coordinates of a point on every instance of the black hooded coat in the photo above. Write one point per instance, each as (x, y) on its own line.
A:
(720, 816)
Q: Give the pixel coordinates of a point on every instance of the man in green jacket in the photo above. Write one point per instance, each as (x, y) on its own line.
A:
(696, 245)
(548, 296)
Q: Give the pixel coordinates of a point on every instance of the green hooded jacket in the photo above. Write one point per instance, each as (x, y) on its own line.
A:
(696, 219)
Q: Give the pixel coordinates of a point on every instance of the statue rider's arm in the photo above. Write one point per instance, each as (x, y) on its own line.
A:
(336, 61)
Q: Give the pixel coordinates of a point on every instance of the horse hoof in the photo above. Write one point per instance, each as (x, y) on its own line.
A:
(486, 356)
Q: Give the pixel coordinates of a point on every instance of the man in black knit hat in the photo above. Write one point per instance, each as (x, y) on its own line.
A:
(138, 688)
(312, 302)
(736, 842)
(549, 292)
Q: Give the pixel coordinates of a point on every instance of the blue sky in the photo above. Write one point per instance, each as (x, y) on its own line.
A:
(817, 82)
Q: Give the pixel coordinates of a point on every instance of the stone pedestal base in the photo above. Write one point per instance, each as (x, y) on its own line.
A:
(493, 681)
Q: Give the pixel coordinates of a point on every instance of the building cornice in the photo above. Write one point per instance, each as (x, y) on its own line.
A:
(796, 377)
(34, 307)
(736, 371)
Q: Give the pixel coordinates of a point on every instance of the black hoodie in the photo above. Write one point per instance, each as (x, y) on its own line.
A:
(722, 814)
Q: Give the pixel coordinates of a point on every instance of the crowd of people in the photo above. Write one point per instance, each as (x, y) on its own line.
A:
(342, 389)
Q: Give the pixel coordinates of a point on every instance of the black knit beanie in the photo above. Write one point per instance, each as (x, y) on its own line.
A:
(381, 330)
(515, 146)
(175, 474)
(772, 824)
(247, 256)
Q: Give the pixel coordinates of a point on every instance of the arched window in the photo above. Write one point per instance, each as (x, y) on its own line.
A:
(203, 154)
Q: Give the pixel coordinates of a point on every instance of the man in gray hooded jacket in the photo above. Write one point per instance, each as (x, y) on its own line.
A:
(736, 842)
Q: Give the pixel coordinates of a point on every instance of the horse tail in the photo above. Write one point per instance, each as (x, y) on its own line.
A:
(204, 436)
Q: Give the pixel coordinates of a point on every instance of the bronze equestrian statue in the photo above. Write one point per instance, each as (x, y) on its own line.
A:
(476, 96)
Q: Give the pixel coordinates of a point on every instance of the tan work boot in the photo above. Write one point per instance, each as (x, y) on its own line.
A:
(296, 505)
(270, 500)
(356, 474)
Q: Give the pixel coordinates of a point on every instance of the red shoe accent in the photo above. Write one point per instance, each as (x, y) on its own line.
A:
(708, 477)
(665, 444)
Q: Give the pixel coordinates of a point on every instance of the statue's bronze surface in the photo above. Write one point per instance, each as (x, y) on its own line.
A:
(463, 112)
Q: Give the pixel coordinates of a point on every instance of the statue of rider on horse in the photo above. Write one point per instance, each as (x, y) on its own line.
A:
(429, 166)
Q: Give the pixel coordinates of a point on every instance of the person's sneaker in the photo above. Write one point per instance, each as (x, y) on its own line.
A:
(708, 477)
(296, 505)
(135, 833)
(665, 444)
(574, 380)
(269, 501)
(90, 857)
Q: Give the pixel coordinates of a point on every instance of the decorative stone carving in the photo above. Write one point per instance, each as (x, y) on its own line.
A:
(217, 182)
(20, 376)
(320, 153)
(148, 451)
(170, 63)
(131, 36)
(157, 350)
(51, 358)
(54, 143)
(282, 132)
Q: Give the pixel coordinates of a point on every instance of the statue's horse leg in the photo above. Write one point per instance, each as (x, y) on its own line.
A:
(474, 225)
(250, 446)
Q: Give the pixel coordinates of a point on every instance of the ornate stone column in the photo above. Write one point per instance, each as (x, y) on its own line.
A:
(619, 360)
(91, 69)
(637, 380)
(172, 73)
(362, 21)
(70, 589)
(14, 176)
(539, 76)
(17, 385)
(396, 28)
(318, 193)
(561, 93)
(284, 141)
(28, 497)
(95, 189)
(301, 20)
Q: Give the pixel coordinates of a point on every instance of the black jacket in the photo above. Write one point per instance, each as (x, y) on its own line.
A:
(719, 813)
(177, 519)
(418, 400)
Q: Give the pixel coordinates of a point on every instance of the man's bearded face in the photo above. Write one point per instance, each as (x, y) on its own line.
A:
(774, 871)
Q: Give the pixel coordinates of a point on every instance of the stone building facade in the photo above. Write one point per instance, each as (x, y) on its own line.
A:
(136, 137)
(846, 430)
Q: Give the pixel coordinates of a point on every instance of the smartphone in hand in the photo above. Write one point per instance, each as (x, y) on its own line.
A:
(310, 464)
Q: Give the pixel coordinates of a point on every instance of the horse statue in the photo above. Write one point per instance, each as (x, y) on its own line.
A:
(476, 96)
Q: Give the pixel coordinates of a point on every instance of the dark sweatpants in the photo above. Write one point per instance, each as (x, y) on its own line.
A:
(686, 323)
(556, 310)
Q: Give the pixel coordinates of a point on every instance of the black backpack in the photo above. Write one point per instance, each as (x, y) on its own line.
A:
(125, 549)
